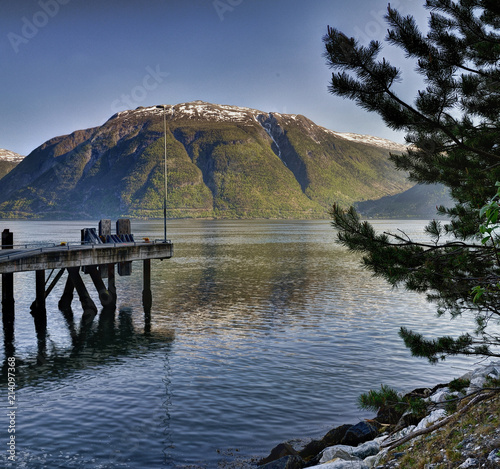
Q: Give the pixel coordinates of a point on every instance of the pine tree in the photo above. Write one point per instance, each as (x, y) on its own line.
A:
(453, 131)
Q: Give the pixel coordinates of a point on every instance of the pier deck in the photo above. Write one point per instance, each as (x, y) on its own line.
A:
(96, 255)
(79, 255)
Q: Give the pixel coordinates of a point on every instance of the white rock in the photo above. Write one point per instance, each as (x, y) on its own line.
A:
(470, 462)
(439, 395)
(479, 375)
(493, 456)
(350, 453)
(433, 417)
(338, 451)
(342, 465)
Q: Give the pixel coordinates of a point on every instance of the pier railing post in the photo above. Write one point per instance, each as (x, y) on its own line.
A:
(8, 293)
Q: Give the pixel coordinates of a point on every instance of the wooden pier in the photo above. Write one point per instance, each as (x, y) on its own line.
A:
(96, 255)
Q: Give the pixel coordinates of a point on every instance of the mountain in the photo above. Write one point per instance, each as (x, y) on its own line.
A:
(418, 202)
(8, 161)
(223, 161)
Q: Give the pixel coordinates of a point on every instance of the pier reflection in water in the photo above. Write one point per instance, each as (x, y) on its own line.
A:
(260, 331)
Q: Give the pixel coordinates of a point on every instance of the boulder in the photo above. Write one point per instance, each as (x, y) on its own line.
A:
(312, 449)
(335, 436)
(286, 462)
(339, 464)
(430, 419)
(343, 452)
(349, 453)
(479, 375)
(359, 433)
(280, 451)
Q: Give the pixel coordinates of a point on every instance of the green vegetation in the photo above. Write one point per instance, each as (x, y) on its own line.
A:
(6, 167)
(216, 168)
(388, 399)
(454, 128)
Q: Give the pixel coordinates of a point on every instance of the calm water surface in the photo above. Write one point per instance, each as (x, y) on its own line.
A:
(261, 331)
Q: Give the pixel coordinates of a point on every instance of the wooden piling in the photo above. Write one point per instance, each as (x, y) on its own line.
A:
(111, 282)
(147, 297)
(40, 311)
(104, 231)
(123, 228)
(8, 303)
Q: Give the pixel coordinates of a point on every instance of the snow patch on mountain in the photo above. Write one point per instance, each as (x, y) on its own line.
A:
(227, 113)
(370, 140)
(7, 155)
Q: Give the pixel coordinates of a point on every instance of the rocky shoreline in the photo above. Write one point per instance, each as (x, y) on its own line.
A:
(458, 430)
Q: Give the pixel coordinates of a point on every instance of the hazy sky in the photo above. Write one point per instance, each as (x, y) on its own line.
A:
(72, 64)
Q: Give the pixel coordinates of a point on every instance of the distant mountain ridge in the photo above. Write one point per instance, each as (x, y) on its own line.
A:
(420, 201)
(223, 161)
(7, 155)
(8, 161)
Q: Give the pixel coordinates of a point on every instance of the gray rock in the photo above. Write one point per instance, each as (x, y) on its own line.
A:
(342, 465)
(338, 451)
(479, 375)
(494, 456)
(370, 448)
(469, 463)
(440, 396)
(349, 453)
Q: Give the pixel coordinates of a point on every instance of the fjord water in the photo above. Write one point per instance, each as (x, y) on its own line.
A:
(260, 332)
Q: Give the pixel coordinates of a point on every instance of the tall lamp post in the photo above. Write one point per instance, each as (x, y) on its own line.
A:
(165, 176)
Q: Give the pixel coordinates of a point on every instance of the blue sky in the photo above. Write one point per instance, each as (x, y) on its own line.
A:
(71, 64)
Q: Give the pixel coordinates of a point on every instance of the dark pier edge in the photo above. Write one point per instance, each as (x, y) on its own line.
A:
(98, 261)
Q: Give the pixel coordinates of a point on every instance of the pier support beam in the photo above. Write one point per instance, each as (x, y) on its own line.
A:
(67, 296)
(104, 295)
(51, 287)
(147, 297)
(40, 311)
(88, 305)
(112, 283)
(8, 294)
